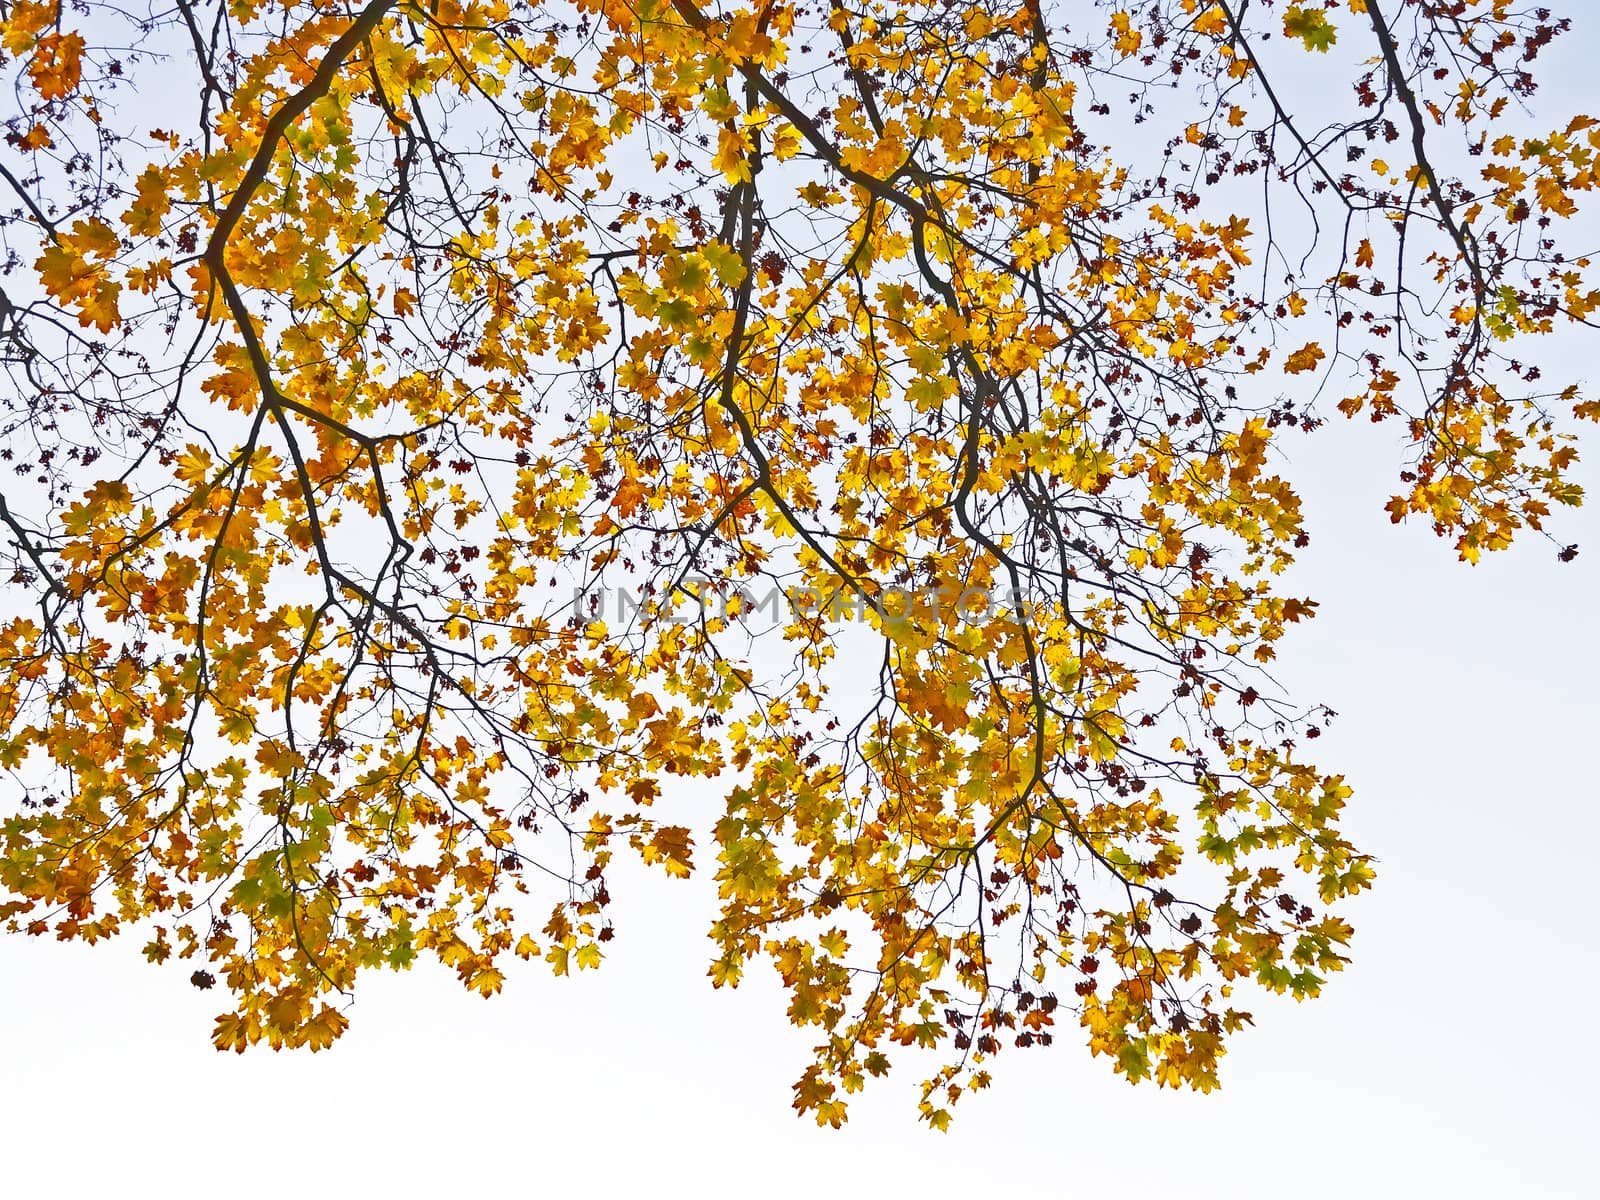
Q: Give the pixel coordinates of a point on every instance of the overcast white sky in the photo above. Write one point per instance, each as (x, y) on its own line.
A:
(1456, 1057)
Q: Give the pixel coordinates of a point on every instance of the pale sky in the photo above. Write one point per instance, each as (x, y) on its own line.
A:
(1455, 1057)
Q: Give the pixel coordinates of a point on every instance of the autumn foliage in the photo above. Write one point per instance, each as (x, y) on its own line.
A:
(362, 360)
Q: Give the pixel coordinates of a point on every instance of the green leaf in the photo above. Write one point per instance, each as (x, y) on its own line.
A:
(1311, 26)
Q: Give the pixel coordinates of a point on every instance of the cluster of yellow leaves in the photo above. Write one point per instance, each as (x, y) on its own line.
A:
(533, 371)
(54, 56)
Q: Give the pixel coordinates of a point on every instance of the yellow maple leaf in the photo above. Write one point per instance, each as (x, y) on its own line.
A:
(1304, 359)
(56, 65)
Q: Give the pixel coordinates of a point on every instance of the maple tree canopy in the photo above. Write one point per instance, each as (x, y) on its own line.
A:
(827, 445)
